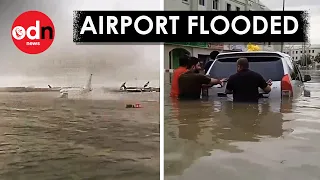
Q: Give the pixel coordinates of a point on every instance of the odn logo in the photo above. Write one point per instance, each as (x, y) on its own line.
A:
(33, 32)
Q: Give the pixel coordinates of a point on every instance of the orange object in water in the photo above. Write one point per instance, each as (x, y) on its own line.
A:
(137, 105)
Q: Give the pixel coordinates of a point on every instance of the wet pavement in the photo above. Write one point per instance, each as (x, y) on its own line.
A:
(221, 140)
(45, 138)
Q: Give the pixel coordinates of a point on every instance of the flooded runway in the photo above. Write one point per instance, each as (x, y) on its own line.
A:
(221, 140)
(43, 137)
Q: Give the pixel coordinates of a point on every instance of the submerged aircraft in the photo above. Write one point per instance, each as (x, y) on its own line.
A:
(135, 89)
(64, 92)
(125, 89)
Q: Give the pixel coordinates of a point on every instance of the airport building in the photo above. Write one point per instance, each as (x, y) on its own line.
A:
(202, 50)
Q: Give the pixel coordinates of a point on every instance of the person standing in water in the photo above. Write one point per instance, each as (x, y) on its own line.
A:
(213, 56)
(245, 84)
(191, 82)
(183, 62)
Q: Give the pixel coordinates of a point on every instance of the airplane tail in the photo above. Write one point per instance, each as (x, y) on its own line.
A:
(123, 86)
(88, 86)
(146, 84)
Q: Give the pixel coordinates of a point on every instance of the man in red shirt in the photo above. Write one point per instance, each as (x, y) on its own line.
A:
(183, 62)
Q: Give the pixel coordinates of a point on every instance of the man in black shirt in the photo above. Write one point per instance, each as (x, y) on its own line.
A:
(191, 82)
(245, 83)
(213, 56)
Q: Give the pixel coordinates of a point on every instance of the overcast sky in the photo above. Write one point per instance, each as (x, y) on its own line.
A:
(65, 63)
(312, 6)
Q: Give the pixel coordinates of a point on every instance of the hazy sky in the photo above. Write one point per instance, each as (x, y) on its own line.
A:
(312, 6)
(65, 63)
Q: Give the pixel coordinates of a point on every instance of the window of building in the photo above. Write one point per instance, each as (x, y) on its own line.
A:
(296, 52)
(228, 7)
(312, 51)
(309, 51)
(215, 4)
(292, 52)
(201, 2)
(296, 57)
(237, 8)
(269, 43)
(301, 52)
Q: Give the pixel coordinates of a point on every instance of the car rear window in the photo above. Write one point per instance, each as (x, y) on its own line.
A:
(268, 67)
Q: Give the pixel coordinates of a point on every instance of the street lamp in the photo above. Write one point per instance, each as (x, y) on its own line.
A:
(283, 4)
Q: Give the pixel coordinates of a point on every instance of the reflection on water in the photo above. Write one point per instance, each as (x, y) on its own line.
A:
(223, 140)
(47, 138)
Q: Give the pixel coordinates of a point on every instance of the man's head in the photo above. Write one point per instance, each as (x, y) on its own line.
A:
(194, 64)
(183, 61)
(213, 55)
(242, 64)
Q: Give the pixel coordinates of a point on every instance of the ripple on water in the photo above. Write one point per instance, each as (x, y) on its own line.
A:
(217, 139)
(46, 138)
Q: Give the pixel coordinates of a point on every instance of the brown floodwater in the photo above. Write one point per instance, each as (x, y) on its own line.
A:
(96, 137)
(221, 140)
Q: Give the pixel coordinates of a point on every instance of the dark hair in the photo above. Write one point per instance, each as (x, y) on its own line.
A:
(243, 63)
(214, 54)
(183, 60)
(192, 62)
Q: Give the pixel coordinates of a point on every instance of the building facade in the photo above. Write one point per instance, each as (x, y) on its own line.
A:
(296, 51)
(202, 50)
(214, 5)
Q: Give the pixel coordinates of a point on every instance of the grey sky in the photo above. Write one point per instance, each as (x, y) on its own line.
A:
(65, 63)
(312, 6)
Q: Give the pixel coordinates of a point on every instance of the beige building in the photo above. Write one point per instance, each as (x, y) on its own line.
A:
(202, 50)
(296, 51)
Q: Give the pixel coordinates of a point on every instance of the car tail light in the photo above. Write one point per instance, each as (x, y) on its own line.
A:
(286, 87)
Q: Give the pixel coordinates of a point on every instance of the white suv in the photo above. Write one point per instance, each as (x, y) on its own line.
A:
(287, 80)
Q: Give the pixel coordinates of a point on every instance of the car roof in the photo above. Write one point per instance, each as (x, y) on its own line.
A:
(251, 54)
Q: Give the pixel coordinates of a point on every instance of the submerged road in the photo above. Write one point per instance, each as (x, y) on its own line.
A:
(45, 138)
(218, 140)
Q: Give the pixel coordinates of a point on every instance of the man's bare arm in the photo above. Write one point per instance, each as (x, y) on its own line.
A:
(211, 83)
(215, 82)
(267, 89)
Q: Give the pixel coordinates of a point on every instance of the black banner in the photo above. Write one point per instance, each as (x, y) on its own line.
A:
(190, 26)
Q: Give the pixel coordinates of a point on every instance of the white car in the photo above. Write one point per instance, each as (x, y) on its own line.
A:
(287, 81)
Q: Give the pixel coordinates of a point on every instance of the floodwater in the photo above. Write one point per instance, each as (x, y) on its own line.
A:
(43, 137)
(221, 140)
